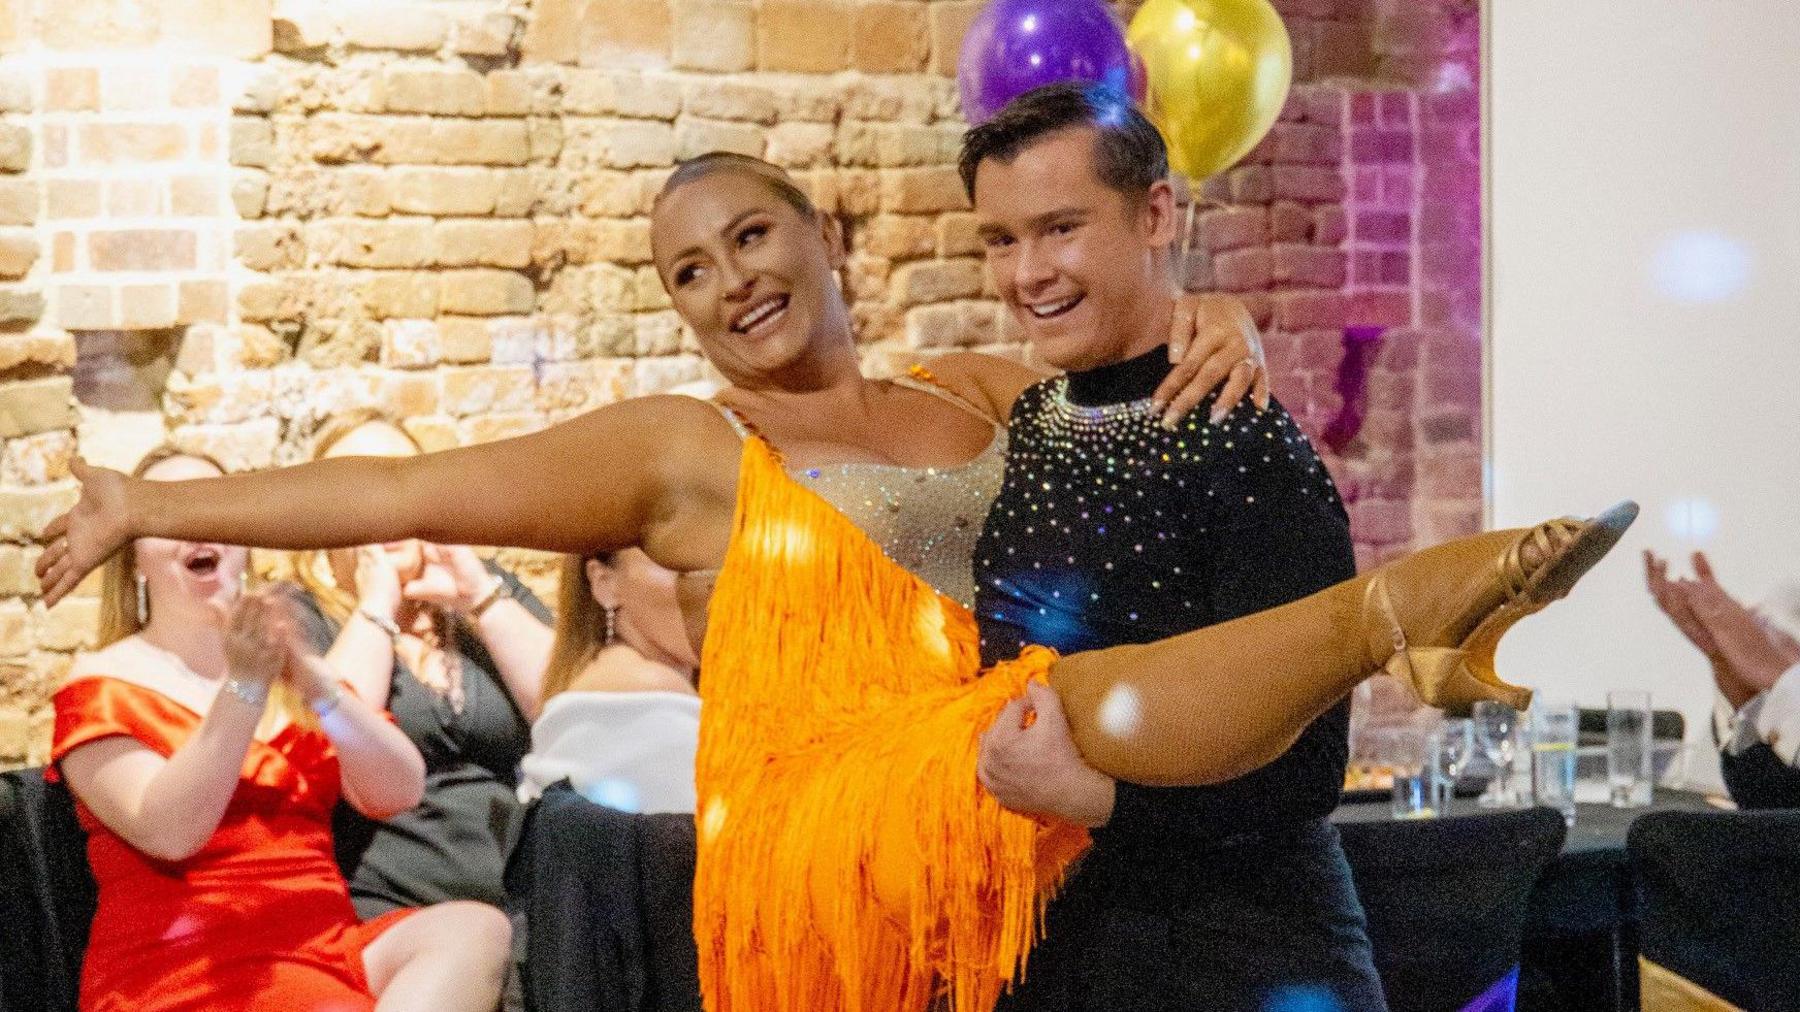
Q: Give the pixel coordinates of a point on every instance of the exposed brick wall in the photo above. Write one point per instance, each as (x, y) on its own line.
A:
(242, 217)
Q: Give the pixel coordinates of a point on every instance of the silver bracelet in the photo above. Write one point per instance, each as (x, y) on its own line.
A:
(386, 625)
(324, 705)
(253, 695)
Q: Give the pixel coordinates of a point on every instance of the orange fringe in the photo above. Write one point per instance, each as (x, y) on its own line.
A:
(837, 765)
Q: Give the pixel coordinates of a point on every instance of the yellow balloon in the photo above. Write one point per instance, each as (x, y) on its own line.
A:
(1218, 73)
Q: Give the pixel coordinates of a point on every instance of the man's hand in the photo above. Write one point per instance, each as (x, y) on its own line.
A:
(1758, 658)
(1030, 764)
(1212, 340)
(1672, 596)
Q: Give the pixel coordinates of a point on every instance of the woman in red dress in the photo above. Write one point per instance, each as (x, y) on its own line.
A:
(206, 754)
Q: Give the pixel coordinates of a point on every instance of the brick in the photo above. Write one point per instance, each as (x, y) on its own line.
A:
(19, 201)
(922, 191)
(301, 28)
(408, 29)
(1308, 184)
(483, 389)
(268, 247)
(252, 142)
(250, 193)
(695, 137)
(133, 198)
(1381, 523)
(85, 307)
(15, 147)
(1233, 227)
(142, 250)
(1242, 270)
(949, 23)
(444, 191)
(391, 294)
(20, 307)
(1308, 266)
(629, 36)
(1330, 225)
(1388, 227)
(1380, 309)
(479, 243)
(717, 35)
(128, 88)
(509, 93)
(900, 237)
(237, 29)
(389, 243)
(747, 101)
(16, 565)
(551, 34)
(801, 145)
(936, 281)
(464, 339)
(245, 446)
(18, 251)
(39, 405)
(625, 242)
(637, 96)
(409, 344)
(803, 36)
(147, 306)
(71, 89)
(437, 92)
(202, 302)
(481, 142)
(487, 293)
(890, 37)
(53, 350)
(1307, 144)
(24, 513)
(15, 92)
(640, 145)
(1297, 311)
(1291, 222)
(488, 35)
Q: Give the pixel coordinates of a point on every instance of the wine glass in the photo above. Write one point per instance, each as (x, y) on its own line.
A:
(1451, 746)
(1496, 733)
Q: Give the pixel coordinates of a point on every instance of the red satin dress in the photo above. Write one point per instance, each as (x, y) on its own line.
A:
(260, 918)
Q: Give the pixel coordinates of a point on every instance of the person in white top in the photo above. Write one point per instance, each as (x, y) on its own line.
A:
(621, 717)
(1754, 652)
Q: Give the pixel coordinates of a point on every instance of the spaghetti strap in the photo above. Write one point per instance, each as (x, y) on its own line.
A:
(739, 424)
(925, 381)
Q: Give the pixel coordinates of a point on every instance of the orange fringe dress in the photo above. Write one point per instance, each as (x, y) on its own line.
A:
(848, 858)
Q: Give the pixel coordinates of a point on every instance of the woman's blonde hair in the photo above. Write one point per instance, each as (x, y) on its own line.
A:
(119, 602)
(580, 625)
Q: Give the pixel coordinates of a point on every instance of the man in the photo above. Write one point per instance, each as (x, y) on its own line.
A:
(1111, 529)
(1755, 661)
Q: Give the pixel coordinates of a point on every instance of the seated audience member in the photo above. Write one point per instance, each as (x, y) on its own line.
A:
(206, 747)
(1755, 660)
(456, 648)
(621, 718)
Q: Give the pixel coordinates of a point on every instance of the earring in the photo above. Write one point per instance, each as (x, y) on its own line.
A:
(612, 625)
(143, 601)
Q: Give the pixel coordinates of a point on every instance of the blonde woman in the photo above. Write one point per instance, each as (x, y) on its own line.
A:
(621, 715)
(206, 753)
(456, 650)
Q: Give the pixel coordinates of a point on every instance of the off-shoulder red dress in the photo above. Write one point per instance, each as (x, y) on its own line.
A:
(260, 918)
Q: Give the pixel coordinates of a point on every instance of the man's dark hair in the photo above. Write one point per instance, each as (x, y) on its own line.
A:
(1129, 153)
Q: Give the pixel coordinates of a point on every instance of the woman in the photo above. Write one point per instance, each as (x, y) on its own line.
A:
(621, 718)
(206, 756)
(457, 650)
(842, 708)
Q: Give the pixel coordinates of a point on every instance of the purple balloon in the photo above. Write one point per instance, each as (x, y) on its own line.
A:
(1014, 46)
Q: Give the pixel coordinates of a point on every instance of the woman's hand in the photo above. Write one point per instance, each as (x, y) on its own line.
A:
(454, 578)
(377, 584)
(1212, 340)
(257, 632)
(80, 540)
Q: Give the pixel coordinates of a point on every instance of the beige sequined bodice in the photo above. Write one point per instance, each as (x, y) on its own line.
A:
(924, 518)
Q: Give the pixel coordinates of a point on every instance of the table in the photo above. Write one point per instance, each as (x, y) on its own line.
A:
(1580, 929)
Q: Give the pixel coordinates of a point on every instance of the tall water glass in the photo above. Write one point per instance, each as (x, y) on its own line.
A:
(1449, 748)
(1402, 751)
(1496, 734)
(1554, 728)
(1628, 749)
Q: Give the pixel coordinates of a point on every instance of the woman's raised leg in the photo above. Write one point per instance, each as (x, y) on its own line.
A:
(449, 957)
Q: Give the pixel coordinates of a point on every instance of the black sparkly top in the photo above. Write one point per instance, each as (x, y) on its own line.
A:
(1111, 530)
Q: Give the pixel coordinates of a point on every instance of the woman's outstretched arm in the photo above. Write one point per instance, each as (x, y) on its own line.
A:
(657, 472)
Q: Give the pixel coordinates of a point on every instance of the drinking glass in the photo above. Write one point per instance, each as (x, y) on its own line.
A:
(1628, 749)
(1402, 751)
(1496, 734)
(1554, 730)
(1450, 747)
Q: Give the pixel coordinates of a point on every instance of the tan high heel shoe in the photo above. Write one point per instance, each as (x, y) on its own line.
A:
(1456, 608)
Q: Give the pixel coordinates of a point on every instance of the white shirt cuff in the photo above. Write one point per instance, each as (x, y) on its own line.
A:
(1735, 730)
(1777, 719)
